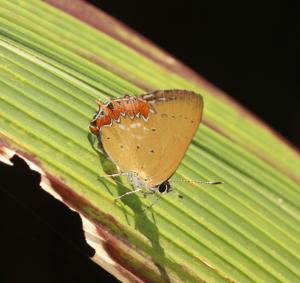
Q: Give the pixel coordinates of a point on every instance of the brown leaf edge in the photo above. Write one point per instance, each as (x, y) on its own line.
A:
(112, 252)
(102, 231)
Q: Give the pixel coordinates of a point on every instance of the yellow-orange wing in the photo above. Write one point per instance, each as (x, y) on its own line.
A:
(154, 148)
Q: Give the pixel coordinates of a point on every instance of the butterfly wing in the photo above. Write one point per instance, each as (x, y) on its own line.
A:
(154, 148)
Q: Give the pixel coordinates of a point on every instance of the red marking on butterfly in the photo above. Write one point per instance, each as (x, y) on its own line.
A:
(113, 110)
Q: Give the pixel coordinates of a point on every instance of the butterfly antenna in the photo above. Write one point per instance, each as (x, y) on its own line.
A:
(199, 182)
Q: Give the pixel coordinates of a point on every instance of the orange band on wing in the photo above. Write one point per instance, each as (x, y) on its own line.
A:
(128, 105)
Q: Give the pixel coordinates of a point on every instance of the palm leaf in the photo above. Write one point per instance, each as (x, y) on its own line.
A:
(53, 66)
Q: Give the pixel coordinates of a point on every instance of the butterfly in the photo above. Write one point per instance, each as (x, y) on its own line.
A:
(147, 136)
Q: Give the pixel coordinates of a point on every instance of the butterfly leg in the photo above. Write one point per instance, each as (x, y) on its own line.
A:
(129, 193)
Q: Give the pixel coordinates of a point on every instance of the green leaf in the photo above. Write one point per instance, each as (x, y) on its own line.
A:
(52, 68)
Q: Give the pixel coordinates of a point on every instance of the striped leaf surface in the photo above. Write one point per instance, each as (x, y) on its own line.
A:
(53, 67)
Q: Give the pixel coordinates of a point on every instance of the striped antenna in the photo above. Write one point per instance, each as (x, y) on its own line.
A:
(200, 182)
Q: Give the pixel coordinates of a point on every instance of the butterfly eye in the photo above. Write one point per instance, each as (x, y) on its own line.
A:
(164, 187)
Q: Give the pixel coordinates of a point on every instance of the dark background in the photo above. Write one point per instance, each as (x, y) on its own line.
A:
(249, 49)
(41, 239)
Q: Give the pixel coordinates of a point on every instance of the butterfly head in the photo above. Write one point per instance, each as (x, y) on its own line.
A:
(140, 183)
